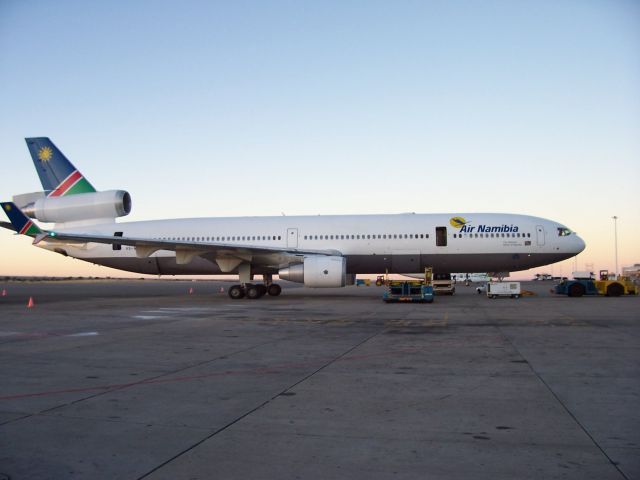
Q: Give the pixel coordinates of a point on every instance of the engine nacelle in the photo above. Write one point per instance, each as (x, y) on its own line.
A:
(317, 271)
(82, 206)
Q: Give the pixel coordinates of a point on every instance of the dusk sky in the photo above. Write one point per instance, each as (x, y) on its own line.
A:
(202, 108)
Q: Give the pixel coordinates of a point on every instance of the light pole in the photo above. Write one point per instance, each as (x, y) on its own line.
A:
(615, 233)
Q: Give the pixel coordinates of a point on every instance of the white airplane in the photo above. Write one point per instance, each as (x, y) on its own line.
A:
(318, 251)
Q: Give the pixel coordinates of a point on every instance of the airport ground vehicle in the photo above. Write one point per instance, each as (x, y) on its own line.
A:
(443, 284)
(503, 289)
(418, 291)
(542, 276)
(614, 287)
(583, 283)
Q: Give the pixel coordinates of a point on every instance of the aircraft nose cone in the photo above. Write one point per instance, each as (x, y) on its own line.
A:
(580, 245)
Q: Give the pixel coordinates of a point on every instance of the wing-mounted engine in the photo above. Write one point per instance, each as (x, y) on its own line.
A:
(317, 271)
(105, 205)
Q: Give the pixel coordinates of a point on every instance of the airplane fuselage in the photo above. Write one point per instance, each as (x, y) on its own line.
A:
(400, 243)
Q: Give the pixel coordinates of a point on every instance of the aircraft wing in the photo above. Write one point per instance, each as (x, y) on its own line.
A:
(187, 250)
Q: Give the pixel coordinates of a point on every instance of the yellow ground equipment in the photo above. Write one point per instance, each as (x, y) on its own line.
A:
(410, 290)
(611, 287)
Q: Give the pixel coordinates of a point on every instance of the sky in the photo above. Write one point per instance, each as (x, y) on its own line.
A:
(205, 108)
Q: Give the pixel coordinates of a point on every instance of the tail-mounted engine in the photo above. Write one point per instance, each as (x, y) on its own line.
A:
(82, 206)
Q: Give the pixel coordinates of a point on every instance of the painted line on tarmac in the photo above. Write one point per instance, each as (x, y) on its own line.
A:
(37, 335)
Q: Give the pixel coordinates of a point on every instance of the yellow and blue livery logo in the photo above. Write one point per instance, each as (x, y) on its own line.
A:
(457, 222)
(45, 154)
(7, 207)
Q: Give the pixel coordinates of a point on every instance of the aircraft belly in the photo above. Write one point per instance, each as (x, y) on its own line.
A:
(364, 264)
(478, 262)
(129, 264)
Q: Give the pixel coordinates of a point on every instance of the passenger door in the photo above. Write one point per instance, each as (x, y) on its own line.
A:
(292, 237)
(540, 235)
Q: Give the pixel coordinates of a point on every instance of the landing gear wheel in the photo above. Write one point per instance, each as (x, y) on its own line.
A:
(615, 290)
(274, 289)
(262, 289)
(576, 290)
(253, 292)
(236, 292)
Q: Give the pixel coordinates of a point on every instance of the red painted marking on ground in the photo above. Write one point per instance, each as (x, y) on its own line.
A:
(252, 371)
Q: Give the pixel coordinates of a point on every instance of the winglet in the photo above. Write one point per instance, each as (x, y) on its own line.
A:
(22, 224)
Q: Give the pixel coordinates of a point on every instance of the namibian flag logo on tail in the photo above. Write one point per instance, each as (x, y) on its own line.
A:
(57, 174)
(74, 183)
(22, 224)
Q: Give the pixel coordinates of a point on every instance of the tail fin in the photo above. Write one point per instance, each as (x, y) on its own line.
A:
(57, 174)
(21, 223)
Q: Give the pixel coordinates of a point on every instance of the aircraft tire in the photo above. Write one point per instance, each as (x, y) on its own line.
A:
(274, 290)
(236, 292)
(262, 289)
(253, 292)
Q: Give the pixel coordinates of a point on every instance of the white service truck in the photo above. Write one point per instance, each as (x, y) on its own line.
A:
(503, 289)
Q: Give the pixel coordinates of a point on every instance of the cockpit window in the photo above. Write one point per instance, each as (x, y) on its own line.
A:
(563, 232)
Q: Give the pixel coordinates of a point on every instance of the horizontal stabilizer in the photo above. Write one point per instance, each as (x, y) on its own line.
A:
(21, 223)
(8, 226)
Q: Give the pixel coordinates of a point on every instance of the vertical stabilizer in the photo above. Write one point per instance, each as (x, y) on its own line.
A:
(57, 174)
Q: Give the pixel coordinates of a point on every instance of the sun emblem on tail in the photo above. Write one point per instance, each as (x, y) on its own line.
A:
(45, 154)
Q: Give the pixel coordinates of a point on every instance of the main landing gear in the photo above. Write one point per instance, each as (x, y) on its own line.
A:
(253, 292)
(250, 290)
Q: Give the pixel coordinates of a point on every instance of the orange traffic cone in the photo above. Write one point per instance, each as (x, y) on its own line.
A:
(4, 292)
(31, 304)
(190, 291)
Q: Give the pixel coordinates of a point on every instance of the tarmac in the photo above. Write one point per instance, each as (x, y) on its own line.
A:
(142, 379)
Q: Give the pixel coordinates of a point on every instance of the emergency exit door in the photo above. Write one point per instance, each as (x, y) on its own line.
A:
(540, 234)
(292, 237)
